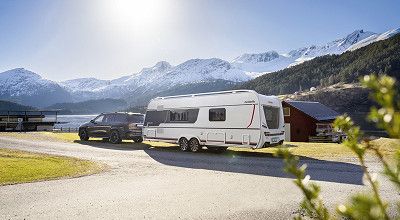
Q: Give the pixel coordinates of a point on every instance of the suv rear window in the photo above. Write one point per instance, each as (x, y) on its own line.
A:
(135, 118)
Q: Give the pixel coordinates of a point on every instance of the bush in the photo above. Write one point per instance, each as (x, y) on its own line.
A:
(361, 206)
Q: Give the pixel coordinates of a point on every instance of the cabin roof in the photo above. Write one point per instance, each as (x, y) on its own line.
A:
(316, 110)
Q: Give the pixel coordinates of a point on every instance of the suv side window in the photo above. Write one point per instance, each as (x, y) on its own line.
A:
(120, 118)
(108, 118)
(99, 119)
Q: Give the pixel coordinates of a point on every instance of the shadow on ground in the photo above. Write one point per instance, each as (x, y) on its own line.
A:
(256, 163)
(124, 146)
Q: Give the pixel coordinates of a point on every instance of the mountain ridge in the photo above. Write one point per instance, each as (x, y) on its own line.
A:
(26, 87)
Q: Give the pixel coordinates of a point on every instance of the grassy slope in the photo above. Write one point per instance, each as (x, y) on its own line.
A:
(21, 166)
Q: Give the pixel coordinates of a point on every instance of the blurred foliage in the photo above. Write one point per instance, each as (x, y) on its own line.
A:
(384, 92)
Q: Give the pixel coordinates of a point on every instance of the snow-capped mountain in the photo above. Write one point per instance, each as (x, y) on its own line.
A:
(153, 79)
(26, 87)
(374, 38)
(23, 86)
(84, 84)
(258, 64)
(164, 76)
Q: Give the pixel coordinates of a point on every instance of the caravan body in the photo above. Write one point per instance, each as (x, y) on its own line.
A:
(241, 118)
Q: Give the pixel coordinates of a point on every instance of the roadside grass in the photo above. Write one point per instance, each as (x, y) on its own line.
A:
(306, 149)
(21, 167)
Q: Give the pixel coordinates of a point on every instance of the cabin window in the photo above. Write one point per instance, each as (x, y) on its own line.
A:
(272, 116)
(286, 111)
(217, 114)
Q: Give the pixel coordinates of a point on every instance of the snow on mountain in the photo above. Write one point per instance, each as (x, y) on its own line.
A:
(255, 65)
(23, 86)
(84, 84)
(374, 38)
(160, 76)
(259, 64)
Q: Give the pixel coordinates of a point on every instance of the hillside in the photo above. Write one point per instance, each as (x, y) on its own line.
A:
(351, 99)
(11, 106)
(379, 57)
(90, 107)
(26, 87)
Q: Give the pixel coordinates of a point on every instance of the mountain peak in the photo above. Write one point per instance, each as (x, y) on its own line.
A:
(19, 72)
(162, 65)
(354, 37)
(257, 57)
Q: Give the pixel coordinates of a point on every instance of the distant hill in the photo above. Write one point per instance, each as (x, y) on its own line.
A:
(382, 57)
(26, 87)
(90, 107)
(11, 106)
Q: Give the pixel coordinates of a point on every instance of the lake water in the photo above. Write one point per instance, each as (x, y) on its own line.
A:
(72, 121)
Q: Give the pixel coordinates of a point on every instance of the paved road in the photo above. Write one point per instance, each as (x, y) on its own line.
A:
(159, 183)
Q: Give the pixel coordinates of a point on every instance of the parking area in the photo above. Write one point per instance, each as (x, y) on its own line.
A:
(143, 181)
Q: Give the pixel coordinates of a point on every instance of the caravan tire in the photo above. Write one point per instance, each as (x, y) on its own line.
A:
(194, 145)
(183, 144)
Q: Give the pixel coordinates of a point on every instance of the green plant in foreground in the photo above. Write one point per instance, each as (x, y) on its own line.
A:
(361, 206)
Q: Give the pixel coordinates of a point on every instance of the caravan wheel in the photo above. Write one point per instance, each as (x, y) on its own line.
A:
(183, 144)
(194, 145)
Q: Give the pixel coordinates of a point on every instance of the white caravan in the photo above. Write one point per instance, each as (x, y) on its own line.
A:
(217, 120)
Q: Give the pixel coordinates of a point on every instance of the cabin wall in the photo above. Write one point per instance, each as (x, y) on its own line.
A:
(301, 125)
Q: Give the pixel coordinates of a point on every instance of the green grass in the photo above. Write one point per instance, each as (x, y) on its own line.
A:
(315, 150)
(21, 167)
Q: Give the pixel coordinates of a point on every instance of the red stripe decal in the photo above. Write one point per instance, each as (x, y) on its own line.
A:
(252, 116)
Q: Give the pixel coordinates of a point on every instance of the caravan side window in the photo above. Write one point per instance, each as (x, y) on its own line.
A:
(217, 114)
(183, 116)
(178, 116)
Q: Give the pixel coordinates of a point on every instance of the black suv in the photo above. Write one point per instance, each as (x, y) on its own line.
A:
(114, 127)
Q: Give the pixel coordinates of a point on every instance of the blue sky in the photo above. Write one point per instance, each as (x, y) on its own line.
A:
(65, 39)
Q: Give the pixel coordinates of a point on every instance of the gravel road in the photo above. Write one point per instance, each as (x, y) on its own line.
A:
(163, 183)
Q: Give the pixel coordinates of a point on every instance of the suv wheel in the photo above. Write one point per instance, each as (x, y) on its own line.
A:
(115, 137)
(194, 145)
(183, 144)
(83, 135)
(138, 139)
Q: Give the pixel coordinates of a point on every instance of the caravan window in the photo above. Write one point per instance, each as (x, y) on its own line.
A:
(155, 118)
(178, 115)
(272, 116)
(217, 114)
(183, 116)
